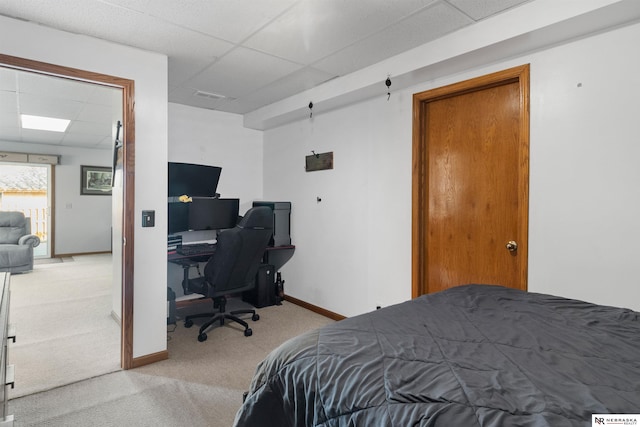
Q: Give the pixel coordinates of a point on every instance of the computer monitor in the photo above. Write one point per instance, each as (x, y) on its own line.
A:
(192, 180)
(213, 214)
(178, 217)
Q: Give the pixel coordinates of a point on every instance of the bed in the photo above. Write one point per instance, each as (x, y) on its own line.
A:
(474, 355)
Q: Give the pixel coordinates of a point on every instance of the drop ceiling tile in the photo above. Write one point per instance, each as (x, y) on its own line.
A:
(420, 28)
(234, 106)
(299, 81)
(10, 133)
(482, 9)
(89, 17)
(312, 29)
(234, 75)
(8, 102)
(52, 87)
(38, 105)
(161, 36)
(136, 5)
(220, 18)
(183, 68)
(89, 128)
(7, 80)
(84, 140)
(41, 136)
(105, 95)
(9, 120)
(97, 113)
(183, 64)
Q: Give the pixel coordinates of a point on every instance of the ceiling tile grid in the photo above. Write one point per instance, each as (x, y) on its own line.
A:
(419, 28)
(230, 20)
(255, 52)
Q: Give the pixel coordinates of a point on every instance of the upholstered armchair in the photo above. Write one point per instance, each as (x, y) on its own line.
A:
(16, 242)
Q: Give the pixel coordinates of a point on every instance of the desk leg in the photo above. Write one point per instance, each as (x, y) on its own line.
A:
(279, 289)
(185, 278)
(185, 275)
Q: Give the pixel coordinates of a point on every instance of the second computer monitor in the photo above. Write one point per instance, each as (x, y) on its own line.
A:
(213, 214)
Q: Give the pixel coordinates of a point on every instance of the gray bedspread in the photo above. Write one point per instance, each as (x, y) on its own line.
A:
(474, 355)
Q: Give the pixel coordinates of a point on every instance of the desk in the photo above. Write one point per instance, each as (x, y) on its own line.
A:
(278, 255)
(274, 255)
(186, 262)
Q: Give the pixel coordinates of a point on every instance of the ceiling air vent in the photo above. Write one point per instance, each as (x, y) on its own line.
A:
(211, 95)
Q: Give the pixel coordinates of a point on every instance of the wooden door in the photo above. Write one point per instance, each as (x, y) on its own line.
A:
(470, 207)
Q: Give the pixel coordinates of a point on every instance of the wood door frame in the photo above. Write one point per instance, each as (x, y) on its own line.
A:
(128, 153)
(420, 187)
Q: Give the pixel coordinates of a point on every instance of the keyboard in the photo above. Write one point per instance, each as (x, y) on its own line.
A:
(196, 249)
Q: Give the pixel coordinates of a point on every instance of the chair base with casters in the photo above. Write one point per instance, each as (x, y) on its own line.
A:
(220, 317)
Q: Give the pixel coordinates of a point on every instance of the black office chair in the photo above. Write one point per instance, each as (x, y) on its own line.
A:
(233, 267)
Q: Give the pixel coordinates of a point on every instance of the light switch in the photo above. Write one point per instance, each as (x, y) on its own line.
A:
(148, 218)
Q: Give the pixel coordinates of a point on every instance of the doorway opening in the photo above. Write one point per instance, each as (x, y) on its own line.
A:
(124, 224)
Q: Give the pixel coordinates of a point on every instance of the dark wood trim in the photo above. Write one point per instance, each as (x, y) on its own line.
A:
(420, 196)
(149, 359)
(314, 308)
(128, 222)
(128, 100)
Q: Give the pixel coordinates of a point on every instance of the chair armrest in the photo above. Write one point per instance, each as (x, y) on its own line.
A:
(29, 239)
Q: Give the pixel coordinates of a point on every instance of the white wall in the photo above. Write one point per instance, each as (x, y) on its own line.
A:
(216, 138)
(149, 71)
(353, 249)
(584, 200)
(74, 232)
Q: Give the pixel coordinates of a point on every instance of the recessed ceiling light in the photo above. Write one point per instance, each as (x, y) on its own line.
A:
(44, 123)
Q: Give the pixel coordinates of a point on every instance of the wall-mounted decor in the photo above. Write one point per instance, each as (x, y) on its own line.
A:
(117, 154)
(319, 161)
(95, 180)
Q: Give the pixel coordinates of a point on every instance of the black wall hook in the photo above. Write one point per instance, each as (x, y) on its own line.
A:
(388, 83)
(310, 110)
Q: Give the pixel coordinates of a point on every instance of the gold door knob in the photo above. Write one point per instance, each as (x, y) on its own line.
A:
(512, 246)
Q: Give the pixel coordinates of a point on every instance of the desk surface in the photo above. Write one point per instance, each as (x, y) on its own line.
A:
(275, 248)
(202, 257)
(181, 259)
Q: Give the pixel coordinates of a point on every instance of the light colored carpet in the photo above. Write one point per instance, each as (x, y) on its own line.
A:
(127, 398)
(65, 332)
(201, 384)
(40, 261)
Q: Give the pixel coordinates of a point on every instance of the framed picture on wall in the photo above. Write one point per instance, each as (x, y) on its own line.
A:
(95, 180)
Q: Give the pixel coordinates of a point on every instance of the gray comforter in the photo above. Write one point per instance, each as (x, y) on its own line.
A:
(473, 355)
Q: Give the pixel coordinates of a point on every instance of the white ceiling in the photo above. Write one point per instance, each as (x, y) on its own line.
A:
(92, 109)
(251, 52)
